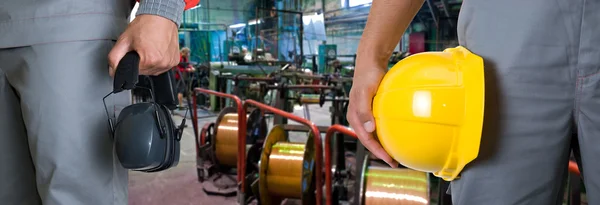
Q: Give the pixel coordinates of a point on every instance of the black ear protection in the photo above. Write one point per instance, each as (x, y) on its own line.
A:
(145, 136)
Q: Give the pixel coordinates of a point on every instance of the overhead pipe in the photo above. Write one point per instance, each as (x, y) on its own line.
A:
(357, 7)
(434, 18)
(445, 10)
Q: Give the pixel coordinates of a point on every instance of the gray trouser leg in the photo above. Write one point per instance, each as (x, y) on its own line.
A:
(60, 88)
(17, 176)
(531, 53)
(588, 119)
(588, 101)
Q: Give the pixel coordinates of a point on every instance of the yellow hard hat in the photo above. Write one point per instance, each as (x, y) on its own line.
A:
(429, 111)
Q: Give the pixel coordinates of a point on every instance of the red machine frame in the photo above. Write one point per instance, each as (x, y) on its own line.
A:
(241, 128)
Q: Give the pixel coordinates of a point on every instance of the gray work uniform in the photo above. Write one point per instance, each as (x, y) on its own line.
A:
(542, 66)
(55, 146)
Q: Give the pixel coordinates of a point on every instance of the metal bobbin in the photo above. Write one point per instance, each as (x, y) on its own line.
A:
(226, 134)
(398, 186)
(309, 99)
(286, 169)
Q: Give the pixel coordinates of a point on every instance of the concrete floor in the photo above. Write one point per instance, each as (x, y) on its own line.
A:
(179, 185)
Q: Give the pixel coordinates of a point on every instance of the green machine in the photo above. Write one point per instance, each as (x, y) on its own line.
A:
(219, 83)
(327, 52)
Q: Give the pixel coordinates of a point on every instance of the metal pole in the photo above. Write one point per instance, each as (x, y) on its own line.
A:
(306, 112)
(301, 41)
(323, 12)
(432, 13)
(256, 27)
(360, 157)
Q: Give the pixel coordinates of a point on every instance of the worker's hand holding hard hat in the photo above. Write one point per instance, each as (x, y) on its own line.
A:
(360, 117)
(428, 110)
(155, 39)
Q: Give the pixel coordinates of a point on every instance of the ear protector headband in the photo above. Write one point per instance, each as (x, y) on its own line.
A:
(145, 136)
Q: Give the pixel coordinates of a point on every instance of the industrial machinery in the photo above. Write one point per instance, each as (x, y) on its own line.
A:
(375, 185)
(218, 151)
(218, 146)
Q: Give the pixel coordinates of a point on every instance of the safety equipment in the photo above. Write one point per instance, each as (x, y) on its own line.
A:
(145, 136)
(428, 111)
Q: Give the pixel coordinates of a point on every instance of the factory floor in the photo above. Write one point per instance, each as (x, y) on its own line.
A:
(179, 185)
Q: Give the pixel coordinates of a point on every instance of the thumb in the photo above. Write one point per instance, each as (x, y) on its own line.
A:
(364, 113)
(116, 54)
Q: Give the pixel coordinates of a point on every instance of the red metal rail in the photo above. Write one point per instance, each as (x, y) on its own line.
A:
(314, 130)
(292, 87)
(241, 129)
(328, 172)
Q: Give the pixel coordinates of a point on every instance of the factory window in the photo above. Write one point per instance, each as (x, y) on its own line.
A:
(353, 3)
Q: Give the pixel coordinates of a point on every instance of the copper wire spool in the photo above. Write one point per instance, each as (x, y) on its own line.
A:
(226, 135)
(286, 169)
(310, 99)
(385, 186)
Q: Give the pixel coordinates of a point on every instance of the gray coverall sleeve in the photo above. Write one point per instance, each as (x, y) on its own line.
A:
(170, 9)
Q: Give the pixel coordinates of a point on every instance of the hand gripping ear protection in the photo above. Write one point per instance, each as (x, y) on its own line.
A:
(145, 136)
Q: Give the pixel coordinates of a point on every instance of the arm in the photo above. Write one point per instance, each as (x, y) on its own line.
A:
(154, 35)
(169, 9)
(387, 21)
(385, 25)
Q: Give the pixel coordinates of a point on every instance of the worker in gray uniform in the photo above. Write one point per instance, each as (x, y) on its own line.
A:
(55, 147)
(542, 66)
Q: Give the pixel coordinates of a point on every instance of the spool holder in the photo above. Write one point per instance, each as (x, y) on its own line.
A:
(241, 136)
(317, 142)
(206, 133)
(328, 155)
(332, 173)
(208, 165)
(273, 191)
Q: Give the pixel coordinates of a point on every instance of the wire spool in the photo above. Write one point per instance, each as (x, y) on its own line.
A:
(226, 134)
(286, 169)
(398, 186)
(310, 99)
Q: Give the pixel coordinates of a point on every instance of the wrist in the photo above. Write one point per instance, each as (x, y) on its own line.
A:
(169, 9)
(372, 57)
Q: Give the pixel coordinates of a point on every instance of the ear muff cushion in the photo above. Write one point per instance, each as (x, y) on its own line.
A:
(172, 151)
(167, 121)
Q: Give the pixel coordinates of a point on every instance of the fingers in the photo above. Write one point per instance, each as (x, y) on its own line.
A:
(115, 55)
(157, 61)
(361, 120)
(367, 138)
(154, 38)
